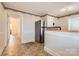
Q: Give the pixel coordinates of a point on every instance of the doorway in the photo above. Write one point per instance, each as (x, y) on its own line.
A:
(14, 32)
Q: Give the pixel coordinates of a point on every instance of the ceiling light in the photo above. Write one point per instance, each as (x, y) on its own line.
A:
(70, 8)
(67, 9)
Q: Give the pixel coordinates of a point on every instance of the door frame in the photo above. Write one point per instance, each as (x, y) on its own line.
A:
(8, 27)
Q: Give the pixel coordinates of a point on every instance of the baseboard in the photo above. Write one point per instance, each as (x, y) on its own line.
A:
(51, 52)
(26, 41)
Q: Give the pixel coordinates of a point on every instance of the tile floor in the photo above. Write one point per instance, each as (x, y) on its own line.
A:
(27, 49)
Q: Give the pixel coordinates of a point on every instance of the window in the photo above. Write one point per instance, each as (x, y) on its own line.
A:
(73, 24)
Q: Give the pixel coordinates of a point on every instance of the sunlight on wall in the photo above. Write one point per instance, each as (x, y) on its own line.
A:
(11, 41)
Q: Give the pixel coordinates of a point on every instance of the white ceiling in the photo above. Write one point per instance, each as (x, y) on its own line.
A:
(42, 8)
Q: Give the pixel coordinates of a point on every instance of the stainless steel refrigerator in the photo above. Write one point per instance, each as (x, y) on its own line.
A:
(39, 31)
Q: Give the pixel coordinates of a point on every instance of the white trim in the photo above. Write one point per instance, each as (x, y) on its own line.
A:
(21, 27)
(26, 41)
(51, 52)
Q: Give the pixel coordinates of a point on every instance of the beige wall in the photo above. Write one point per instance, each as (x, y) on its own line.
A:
(3, 33)
(44, 17)
(63, 22)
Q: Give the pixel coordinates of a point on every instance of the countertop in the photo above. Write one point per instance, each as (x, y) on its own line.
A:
(63, 30)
